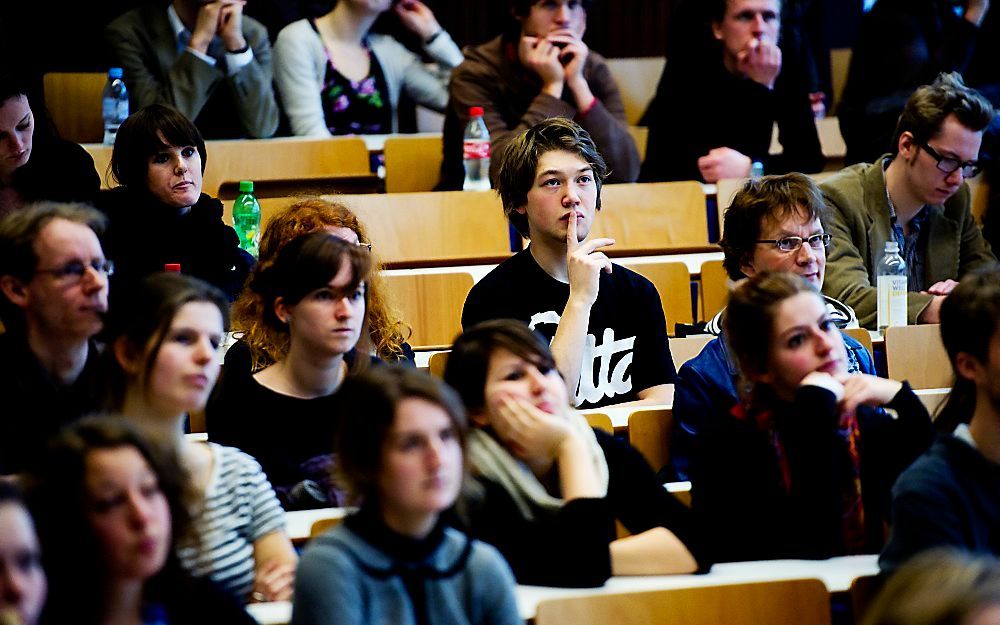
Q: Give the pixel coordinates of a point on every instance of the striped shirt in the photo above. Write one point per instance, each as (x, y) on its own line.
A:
(239, 508)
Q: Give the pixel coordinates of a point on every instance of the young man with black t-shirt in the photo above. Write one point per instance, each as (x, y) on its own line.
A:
(606, 324)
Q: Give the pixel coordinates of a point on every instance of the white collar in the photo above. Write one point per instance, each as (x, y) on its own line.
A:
(175, 22)
(963, 433)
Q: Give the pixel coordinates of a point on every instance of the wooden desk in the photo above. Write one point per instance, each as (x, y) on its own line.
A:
(299, 523)
(836, 573)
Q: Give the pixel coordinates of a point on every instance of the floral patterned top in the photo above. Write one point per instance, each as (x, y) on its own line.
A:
(356, 107)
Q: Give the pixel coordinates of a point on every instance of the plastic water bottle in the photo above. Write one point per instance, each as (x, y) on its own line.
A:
(114, 104)
(246, 218)
(891, 281)
(477, 152)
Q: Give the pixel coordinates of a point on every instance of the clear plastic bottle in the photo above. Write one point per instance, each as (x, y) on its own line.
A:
(476, 152)
(891, 282)
(114, 104)
(246, 217)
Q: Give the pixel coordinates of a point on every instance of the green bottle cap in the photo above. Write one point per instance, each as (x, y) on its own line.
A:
(246, 186)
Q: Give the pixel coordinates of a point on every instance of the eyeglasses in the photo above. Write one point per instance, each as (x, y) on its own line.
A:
(76, 269)
(970, 169)
(791, 244)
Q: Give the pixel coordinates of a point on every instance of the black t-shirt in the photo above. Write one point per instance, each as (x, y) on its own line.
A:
(626, 349)
(35, 404)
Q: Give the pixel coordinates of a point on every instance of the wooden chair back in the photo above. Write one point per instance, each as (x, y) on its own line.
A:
(684, 349)
(421, 229)
(412, 162)
(322, 526)
(73, 100)
(649, 432)
(637, 79)
(654, 217)
(840, 62)
(933, 399)
(600, 420)
(917, 355)
(431, 303)
(715, 286)
(436, 364)
(640, 134)
(831, 142)
(979, 187)
(863, 336)
(863, 592)
(673, 282)
(789, 602)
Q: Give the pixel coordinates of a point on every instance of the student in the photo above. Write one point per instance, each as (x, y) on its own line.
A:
(400, 454)
(550, 487)
(774, 224)
(164, 361)
(336, 78)
(259, 345)
(203, 57)
(606, 323)
(917, 197)
(34, 165)
(803, 465)
(22, 581)
(949, 496)
(315, 294)
(159, 215)
(53, 297)
(110, 515)
(716, 104)
(940, 587)
(538, 68)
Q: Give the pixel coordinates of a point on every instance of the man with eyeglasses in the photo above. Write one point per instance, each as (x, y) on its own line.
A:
(53, 298)
(539, 68)
(915, 196)
(773, 224)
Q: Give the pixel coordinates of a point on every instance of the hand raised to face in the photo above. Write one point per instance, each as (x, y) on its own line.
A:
(584, 263)
(418, 18)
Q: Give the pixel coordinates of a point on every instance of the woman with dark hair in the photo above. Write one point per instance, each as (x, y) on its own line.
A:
(34, 165)
(802, 467)
(110, 514)
(550, 488)
(163, 354)
(22, 580)
(259, 342)
(159, 215)
(315, 294)
(400, 455)
(336, 78)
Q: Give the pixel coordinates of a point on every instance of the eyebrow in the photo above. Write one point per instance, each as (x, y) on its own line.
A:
(556, 172)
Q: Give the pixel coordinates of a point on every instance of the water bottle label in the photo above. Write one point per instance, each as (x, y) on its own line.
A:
(891, 301)
(123, 109)
(476, 149)
(109, 107)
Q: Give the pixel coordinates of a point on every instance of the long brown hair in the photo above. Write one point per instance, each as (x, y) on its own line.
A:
(312, 214)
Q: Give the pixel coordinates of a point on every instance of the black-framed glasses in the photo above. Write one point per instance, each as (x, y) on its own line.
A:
(76, 269)
(970, 169)
(791, 244)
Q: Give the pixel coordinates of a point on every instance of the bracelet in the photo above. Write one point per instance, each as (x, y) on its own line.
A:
(433, 37)
(240, 51)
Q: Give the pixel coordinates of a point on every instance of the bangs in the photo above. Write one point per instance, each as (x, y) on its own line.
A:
(320, 261)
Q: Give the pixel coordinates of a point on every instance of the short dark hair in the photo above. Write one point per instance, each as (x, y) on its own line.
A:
(716, 9)
(768, 197)
(469, 360)
(519, 163)
(143, 320)
(57, 496)
(927, 108)
(18, 232)
(138, 139)
(521, 8)
(970, 317)
(308, 262)
(12, 85)
(367, 409)
(749, 317)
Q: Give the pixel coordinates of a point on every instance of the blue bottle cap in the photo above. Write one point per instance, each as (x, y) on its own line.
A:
(115, 72)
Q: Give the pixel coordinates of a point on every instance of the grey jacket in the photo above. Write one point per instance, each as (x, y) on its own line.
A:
(344, 580)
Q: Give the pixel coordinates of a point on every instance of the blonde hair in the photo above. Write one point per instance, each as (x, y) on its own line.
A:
(307, 215)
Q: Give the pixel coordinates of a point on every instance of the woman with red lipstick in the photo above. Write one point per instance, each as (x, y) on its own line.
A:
(34, 164)
(400, 455)
(110, 514)
(802, 467)
(315, 294)
(159, 215)
(550, 487)
(163, 352)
